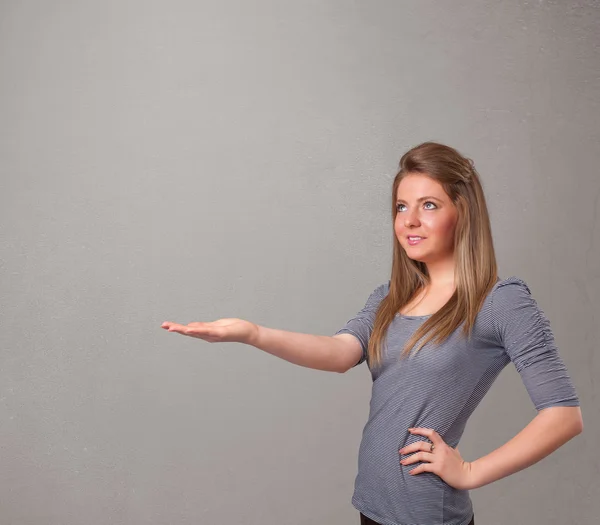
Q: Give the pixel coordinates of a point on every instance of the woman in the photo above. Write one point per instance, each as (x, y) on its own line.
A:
(435, 337)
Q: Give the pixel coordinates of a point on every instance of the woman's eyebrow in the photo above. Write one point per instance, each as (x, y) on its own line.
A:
(422, 199)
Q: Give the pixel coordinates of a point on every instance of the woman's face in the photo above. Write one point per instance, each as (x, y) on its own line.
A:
(424, 210)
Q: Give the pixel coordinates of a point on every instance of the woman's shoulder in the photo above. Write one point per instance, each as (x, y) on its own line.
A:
(503, 304)
(511, 300)
(510, 287)
(381, 291)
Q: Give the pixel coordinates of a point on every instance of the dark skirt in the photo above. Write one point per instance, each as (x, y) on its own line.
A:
(368, 521)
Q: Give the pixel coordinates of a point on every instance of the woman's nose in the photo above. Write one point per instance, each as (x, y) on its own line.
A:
(410, 219)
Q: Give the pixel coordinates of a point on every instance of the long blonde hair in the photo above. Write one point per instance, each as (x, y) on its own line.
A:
(474, 256)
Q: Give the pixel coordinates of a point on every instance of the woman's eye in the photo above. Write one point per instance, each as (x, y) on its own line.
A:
(399, 206)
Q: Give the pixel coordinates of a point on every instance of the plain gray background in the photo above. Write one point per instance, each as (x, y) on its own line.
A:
(192, 160)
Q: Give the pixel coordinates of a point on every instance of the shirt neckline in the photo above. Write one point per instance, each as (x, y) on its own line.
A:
(413, 316)
(498, 279)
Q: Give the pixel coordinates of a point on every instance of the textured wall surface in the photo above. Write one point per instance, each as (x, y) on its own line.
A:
(187, 161)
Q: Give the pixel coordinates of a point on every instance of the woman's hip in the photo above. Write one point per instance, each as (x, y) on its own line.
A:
(368, 521)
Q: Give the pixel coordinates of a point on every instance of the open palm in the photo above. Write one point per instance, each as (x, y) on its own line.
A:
(220, 331)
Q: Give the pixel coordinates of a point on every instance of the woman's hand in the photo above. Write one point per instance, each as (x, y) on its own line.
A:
(220, 331)
(443, 460)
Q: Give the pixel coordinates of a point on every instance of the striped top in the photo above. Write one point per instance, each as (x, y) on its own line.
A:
(439, 388)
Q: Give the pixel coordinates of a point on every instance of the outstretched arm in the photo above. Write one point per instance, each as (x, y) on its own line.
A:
(321, 352)
(332, 354)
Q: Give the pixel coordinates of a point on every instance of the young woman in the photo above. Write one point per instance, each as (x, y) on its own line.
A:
(435, 337)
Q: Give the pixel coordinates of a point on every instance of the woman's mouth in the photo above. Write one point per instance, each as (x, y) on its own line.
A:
(414, 240)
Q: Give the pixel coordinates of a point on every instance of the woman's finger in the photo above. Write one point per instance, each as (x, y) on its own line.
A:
(417, 445)
(419, 456)
(423, 467)
(179, 328)
(429, 433)
(168, 325)
(191, 331)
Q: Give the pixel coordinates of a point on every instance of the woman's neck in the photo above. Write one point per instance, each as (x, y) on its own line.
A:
(441, 273)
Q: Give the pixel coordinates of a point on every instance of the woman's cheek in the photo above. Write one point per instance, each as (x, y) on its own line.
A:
(449, 231)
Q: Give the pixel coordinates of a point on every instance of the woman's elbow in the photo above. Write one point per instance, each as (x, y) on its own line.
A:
(577, 420)
(573, 420)
(579, 423)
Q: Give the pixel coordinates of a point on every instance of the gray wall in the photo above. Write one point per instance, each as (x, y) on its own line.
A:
(195, 160)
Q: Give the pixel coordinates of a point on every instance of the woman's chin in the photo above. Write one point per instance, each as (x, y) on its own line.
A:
(417, 257)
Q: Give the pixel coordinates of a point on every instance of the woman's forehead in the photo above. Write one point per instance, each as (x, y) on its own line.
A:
(419, 185)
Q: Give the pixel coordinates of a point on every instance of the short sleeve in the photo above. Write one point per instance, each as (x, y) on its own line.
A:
(361, 325)
(524, 331)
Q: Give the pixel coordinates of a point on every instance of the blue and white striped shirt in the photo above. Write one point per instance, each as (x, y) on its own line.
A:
(439, 387)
